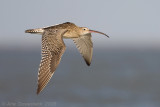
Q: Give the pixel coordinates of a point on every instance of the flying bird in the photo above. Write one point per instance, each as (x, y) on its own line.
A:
(53, 47)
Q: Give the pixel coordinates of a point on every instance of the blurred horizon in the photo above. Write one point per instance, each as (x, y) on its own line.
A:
(130, 24)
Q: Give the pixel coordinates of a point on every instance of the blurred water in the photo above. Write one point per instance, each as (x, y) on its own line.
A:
(116, 78)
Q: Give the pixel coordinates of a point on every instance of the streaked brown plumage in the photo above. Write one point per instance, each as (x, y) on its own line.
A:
(53, 47)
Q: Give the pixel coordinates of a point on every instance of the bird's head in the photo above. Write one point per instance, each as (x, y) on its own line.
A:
(85, 30)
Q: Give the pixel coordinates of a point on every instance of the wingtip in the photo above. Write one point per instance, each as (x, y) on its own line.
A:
(38, 91)
(88, 63)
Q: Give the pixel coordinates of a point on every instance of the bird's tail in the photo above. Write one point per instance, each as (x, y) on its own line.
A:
(35, 31)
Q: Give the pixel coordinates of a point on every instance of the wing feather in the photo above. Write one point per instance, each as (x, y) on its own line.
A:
(53, 48)
(85, 46)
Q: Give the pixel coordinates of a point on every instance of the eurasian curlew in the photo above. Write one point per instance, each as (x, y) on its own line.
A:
(53, 47)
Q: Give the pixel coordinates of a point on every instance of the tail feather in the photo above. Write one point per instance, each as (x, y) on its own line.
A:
(35, 31)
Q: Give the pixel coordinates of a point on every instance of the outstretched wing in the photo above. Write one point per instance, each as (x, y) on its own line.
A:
(53, 48)
(85, 47)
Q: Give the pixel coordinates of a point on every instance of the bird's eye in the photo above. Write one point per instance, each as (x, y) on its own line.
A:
(84, 29)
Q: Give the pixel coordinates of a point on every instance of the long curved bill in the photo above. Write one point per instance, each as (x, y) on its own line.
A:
(93, 31)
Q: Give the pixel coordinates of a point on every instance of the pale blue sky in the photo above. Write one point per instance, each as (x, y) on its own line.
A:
(129, 23)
